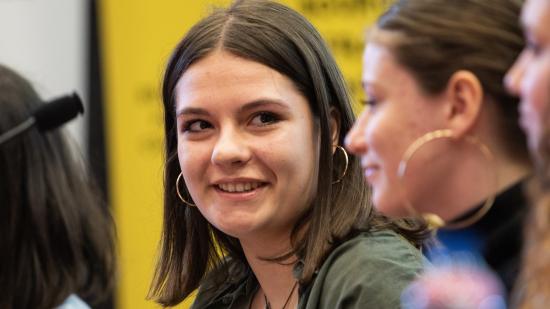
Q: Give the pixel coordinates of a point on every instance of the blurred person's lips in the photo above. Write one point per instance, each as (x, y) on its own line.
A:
(525, 116)
(369, 170)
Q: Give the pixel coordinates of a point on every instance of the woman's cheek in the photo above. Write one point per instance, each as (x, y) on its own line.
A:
(543, 86)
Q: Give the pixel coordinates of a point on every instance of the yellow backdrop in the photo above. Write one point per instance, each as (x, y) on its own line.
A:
(137, 38)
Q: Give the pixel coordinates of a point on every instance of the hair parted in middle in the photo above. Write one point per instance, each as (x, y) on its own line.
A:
(280, 38)
(433, 40)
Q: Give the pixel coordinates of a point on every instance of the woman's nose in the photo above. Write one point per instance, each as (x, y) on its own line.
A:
(231, 149)
(355, 139)
(514, 76)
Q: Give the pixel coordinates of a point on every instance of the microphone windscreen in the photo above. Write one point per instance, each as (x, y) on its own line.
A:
(58, 111)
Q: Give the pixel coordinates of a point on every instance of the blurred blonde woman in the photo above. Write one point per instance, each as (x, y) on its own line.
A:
(438, 136)
(530, 79)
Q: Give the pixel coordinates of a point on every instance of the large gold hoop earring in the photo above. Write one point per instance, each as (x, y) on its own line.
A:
(179, 193)
(346, 158)
(433, 220)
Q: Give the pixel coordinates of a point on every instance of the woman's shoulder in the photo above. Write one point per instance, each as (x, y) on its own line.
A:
(370, 250)
(73, 302)
(370, 269)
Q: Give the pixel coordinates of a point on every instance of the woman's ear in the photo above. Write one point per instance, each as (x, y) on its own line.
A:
(334, 127)
(465, 96)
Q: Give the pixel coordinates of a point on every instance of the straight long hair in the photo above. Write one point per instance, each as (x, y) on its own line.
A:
(278, 37)
(56, 236)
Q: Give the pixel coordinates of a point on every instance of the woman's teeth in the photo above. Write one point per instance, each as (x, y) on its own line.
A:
(238, 187)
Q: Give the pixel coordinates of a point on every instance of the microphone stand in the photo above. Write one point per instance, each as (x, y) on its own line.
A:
(20, 128)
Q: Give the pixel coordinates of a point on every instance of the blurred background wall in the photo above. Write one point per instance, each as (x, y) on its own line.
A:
(46, 41)
(113, 53)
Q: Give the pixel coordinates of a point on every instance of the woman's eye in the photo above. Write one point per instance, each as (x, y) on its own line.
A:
(196, 126)
(264, 118)
(371, 102)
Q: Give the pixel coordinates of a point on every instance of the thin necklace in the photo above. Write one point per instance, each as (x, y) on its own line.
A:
(268, 305)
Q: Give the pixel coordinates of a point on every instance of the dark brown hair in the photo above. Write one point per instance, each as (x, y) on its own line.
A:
(278, 37)
(56, 238)
(436, 38)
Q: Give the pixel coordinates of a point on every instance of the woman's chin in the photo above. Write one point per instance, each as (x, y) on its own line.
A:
(234, 227)
(391, 209)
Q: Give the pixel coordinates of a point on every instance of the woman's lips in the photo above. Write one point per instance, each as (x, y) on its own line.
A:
(240, 192)
(369, 172)
(523, 116)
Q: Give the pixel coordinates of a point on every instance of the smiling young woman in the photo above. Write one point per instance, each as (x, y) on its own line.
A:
(439, 135)
(263, 207)
(238, 149)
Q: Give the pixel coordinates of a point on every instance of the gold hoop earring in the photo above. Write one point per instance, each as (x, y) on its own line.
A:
(433, 220)
(178, 191)
(345, 167)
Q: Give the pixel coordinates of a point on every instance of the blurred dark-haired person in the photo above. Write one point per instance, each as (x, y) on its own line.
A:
(530, 79)
(56, 236)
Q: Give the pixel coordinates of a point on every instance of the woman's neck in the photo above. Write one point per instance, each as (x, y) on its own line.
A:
(511, 171)
(276, 279)
(507, 170)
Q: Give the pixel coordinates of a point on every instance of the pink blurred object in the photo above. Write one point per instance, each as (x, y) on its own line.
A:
(455, 287)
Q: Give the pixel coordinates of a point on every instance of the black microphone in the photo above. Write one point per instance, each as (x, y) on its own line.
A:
(48, 116)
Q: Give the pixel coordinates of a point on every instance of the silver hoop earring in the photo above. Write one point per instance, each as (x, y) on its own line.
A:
(345, 167)
(433, 220)
(178, 191)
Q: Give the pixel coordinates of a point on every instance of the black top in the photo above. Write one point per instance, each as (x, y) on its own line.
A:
(497, 237)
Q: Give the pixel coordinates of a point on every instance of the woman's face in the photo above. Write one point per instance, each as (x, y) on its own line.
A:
(247, 145)
(396, 114)
(530, 76)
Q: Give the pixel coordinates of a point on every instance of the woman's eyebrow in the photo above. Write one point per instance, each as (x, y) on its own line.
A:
(263, 102)
(192, 111)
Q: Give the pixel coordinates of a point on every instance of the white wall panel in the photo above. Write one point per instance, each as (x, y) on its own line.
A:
(45, 40)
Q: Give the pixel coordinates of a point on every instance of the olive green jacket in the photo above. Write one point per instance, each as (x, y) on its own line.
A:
(367, 271)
